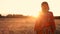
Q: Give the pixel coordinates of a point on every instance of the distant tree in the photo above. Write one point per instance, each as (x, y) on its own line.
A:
(9, 15)
(0, 15)
(16, 16)
(57, 17)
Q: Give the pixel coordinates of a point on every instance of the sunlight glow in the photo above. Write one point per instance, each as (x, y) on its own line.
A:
(27, 7)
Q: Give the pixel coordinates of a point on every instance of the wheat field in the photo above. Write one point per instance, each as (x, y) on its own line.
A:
(21, 26)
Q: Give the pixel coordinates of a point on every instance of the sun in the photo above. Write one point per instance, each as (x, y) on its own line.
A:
(36, 15)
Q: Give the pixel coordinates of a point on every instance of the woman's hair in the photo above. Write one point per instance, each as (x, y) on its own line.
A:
(44, 3)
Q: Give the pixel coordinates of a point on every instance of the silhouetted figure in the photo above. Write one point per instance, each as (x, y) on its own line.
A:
(45, 23)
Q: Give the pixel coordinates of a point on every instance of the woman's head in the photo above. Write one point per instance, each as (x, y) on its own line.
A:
(45, 6)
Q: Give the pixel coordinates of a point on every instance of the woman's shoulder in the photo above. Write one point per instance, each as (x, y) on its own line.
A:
(51, 12)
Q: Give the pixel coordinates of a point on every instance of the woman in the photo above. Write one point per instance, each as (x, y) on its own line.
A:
(45, 23)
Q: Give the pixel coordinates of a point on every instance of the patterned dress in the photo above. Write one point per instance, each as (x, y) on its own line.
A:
(45, 24)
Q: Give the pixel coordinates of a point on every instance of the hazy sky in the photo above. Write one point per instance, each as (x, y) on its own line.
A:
(27, 7)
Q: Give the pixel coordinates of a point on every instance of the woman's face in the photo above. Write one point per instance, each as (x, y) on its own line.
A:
(45, 7)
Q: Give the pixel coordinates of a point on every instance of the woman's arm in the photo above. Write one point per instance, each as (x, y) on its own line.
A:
(52, 21)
